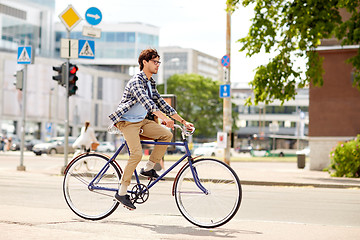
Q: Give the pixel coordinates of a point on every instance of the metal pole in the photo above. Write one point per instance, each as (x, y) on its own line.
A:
(21, 167)
(227, 121)
(66, 143)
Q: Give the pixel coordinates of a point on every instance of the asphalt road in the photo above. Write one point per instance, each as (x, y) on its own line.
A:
(32, 207)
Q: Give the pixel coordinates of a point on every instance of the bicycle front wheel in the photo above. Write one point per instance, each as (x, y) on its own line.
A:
(91, 202)
(214, 199)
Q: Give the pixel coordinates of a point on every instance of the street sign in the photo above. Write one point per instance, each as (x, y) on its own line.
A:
(225, 90)
(221, 139)
(86, 49)
(93, 16)
(91, 32)
(70, 18)
(24, 55)
(225, 61)
(69, 48)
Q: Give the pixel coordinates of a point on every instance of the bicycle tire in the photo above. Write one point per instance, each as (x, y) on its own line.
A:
(86, 203)
(217, 207)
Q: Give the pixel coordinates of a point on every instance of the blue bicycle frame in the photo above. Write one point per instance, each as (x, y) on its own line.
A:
(100, 175)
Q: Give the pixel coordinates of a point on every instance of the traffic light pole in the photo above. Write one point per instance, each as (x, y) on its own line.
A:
(21, 167)
(227, 122)
(66, 143)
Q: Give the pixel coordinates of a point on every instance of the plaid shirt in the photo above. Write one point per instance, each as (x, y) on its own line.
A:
(136, 92)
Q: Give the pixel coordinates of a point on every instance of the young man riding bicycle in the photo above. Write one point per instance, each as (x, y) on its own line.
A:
(139, 103)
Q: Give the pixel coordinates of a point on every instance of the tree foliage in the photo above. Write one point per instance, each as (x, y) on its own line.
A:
(198, 101)
(293, 29)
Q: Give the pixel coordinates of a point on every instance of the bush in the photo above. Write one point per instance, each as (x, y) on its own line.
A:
(345, 159)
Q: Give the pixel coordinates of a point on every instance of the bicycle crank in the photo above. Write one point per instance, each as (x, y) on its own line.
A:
(139, 193)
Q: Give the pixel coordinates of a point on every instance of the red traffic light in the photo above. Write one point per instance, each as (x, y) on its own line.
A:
(73, 69)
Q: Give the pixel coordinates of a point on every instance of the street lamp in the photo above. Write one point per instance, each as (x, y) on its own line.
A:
(176, 62)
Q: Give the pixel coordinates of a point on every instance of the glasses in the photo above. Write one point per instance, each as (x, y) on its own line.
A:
(156, 62)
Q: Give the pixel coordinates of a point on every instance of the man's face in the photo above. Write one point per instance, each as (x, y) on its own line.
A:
(152, 66)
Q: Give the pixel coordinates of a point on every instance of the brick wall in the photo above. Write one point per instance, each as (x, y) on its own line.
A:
(334, 108)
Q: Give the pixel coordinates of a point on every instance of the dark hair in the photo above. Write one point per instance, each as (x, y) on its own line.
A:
(87, 123)
(147, 55)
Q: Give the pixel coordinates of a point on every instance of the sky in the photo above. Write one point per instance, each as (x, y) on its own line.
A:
(196, 24)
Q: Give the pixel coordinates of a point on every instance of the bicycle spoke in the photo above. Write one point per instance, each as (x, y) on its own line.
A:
(222, 198)
(96, 202)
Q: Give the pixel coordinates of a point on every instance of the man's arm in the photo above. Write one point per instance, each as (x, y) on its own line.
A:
(170, 123)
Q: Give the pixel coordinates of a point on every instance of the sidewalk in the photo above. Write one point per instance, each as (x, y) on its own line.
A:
(284, 174)
(250, 173)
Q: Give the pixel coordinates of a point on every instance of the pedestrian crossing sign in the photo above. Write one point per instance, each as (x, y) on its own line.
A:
(24, 55)
(87, 49)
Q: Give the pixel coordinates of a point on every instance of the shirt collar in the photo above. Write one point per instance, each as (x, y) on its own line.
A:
(144, 77)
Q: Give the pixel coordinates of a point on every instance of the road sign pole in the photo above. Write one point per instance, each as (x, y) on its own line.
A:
(227, 122)
(21, 167)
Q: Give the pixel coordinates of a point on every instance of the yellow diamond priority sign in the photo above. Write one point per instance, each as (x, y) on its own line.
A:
(70, 17)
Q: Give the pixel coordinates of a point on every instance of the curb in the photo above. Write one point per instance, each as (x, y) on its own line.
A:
(292, 184)
(280, 184)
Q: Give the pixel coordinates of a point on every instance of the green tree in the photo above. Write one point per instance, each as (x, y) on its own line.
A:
(293, 29)
(198, 101)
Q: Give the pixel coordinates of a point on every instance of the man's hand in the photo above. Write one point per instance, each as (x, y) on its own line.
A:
(168, 123)
(189, 126)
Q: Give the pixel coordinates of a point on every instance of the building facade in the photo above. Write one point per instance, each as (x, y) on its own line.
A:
(285, 124)
(119, 46)
(98, 95)
(177, 60)
(27, 22)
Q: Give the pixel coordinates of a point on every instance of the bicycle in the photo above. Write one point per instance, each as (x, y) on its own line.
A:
(207, 191)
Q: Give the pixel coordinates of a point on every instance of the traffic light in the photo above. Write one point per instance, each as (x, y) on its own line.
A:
(72, 79)
(19, 79)
(60, 78)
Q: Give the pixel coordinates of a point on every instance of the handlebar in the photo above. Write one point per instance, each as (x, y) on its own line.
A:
(184, 131)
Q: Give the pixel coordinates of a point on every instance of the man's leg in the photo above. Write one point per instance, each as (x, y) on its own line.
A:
(155, 131)
(131, 135)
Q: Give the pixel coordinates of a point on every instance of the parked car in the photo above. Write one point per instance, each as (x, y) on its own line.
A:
(106, 147)
(29, 144)
(176, 150)
(54, 146)
(15, 144)
(211, 149)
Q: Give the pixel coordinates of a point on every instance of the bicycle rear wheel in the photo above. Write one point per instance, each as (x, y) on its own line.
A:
(88, 203)
(222, 200)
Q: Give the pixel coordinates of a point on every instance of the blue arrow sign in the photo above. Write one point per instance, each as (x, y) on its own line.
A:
(24, 55)
(225, 90)
(93, 16)
(225, 61)
(86, 49)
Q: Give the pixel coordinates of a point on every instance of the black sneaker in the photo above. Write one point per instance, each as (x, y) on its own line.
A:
(125, 201)
(151, 173)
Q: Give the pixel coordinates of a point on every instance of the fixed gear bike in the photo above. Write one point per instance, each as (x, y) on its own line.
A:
(207, 192)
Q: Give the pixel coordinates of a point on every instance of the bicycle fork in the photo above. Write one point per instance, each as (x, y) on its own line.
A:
(196, 179)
